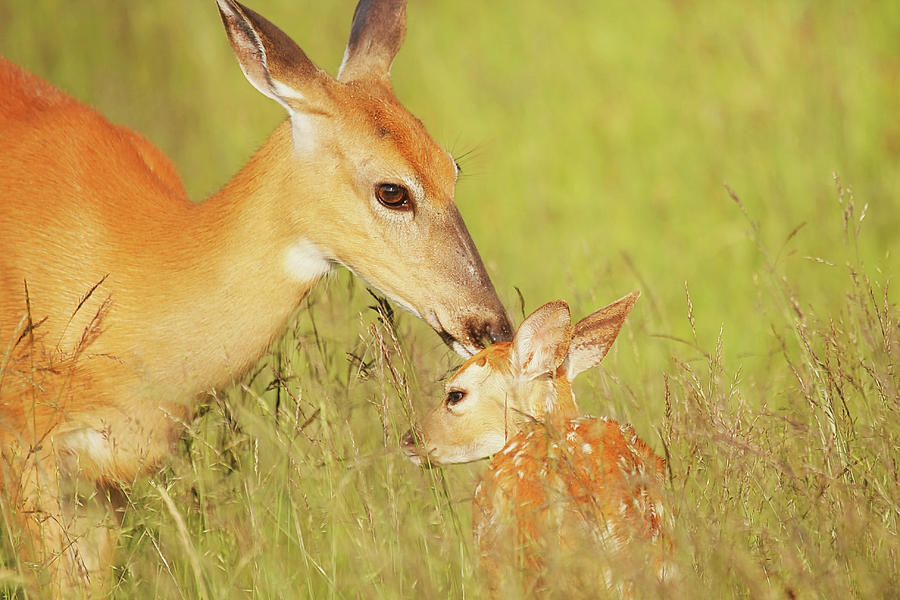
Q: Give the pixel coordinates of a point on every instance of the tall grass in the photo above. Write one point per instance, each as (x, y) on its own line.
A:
(783, 481)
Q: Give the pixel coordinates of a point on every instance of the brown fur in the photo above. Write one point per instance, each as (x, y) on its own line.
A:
(121, 301)
(495, 356)
(591, 486)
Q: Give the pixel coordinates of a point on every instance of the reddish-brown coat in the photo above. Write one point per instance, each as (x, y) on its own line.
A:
(593, 479)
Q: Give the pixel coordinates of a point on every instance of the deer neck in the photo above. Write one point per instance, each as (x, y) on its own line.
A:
(243, 267)
(561, 407)
(547, 403)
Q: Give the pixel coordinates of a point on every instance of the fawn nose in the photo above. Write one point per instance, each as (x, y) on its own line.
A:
(411, 448)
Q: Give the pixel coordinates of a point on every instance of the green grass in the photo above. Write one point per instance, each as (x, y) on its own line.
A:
(594, 139)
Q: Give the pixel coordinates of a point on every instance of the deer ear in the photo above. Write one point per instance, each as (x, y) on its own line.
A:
(269, 58)
(594, 335)
(375, 38)
(542, 340)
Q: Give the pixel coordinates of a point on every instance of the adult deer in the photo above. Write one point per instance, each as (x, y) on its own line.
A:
(121, 301)
(565, 496)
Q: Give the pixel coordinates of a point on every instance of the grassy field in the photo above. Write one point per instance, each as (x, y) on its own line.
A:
(737, 162)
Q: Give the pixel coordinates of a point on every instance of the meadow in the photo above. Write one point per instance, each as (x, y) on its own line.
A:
(739, 163)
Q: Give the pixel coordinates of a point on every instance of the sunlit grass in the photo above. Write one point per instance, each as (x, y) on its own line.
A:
(782, 481)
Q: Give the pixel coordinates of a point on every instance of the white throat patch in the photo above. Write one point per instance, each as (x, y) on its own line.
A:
(304, 133)
(304, 261)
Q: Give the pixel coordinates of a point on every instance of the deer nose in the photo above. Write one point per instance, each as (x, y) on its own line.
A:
(500, 332)
(411, 449)
(490, 332)
(408, 440)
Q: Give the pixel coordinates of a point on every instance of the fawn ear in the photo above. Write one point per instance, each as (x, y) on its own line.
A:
(542, 340)
(594, 335)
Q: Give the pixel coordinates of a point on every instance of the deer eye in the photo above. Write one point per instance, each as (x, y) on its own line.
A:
(392, 195)
(454, 396)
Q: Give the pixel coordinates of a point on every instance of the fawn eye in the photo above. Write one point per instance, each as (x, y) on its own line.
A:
(392, 195)
(454, 396)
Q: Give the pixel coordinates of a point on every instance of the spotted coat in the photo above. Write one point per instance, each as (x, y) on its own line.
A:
(551, 489)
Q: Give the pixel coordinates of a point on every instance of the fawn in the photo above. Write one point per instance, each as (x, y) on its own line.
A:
(559, 483)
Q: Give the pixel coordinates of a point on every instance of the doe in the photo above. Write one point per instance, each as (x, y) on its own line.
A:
(559, 484)
(121, 301)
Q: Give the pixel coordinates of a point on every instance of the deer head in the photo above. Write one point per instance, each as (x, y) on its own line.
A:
(356, 179)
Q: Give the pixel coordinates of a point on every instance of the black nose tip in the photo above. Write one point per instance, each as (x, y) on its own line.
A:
(485, 333)
(502, 333)
(408, 440)
(499, 331)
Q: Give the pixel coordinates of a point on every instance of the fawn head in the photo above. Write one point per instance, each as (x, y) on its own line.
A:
(361, 182)
(497, 390)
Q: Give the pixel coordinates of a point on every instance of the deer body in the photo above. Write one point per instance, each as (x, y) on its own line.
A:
(121, 301)
(548, 493)
(565, 495)
(168, 268)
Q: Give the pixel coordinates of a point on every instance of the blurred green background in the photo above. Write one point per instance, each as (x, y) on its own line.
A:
(595, 139)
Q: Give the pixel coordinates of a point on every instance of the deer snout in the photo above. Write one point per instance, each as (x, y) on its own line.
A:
(410, 447)
(479, 333)
(470, 335)
(492, 331)
(413, 445)
(408, 441)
